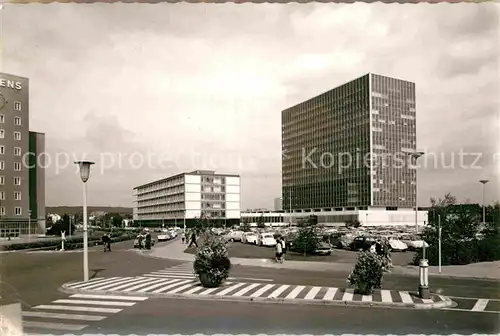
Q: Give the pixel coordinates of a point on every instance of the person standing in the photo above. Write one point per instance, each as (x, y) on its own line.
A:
(148, 241)
(193, 240)
(279, 252)
(284, 248)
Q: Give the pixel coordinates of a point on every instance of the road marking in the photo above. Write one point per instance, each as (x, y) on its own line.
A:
(406, 297)
(312, 293)
(386, 295)
(208, 291)
(80, 308)
(262, 290)
(109, 282)
(63, 316)
(92, 282)
(366, 298)
(245, 290)
(253, 279)
(194, 290)
(480, 305)
(470, 298)
(172, 272)
(159, 290)
(90, 302)
(164, 282)
(53, 326)
(347, 296)
(126, 285)
(181, 288)
(136, 287)
(166, 276)
(230, 289)
(296, 291)
(471, 311)
(330, 293)
(278, 291)
(111, 297)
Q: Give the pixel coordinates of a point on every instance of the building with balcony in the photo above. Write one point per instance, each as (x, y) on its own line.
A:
(187, 197)
(347, 151)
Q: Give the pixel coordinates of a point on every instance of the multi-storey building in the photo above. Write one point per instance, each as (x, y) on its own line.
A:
(349, 148)
(21, 212)
(187, 197)
(278, 204)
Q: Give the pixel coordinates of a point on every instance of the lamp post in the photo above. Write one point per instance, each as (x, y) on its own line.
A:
(423, 287)
(84, 175)
(29, 224)
(439, 243)
(483, 182)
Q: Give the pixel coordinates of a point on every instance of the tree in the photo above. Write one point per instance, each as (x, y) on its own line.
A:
(307, 240)
(62, 225)
(352, 223)
(260, 222)
(464, 239)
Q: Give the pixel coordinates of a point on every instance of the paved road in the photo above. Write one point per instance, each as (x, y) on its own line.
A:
(161, 316)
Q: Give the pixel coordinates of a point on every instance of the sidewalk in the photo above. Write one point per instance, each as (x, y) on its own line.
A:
(486, 270)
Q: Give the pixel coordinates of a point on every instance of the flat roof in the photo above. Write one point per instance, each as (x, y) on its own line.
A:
(195, 172)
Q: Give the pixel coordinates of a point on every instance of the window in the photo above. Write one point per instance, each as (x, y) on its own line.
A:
(2, 165)
(17, 151)
(2, 195)
(17, 106)
(17, 135)
(2, 150)
(17, 121)
(2, 119)
(2, 180)
(2, 211)
(17, 166)
(18, 211)
(17, 195)
(2, 133)
(17, 180)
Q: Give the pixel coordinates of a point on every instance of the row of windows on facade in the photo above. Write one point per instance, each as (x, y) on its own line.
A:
(160, 185)
(17, 195)
(17, 165)
(18, 211)
(17, 180)
(17, 135)
(17, 150)
(17, 120)
(17, 106)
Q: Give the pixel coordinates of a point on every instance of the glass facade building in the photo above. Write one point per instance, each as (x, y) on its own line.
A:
(349, 147)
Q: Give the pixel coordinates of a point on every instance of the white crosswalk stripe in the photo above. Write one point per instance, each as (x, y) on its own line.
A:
(75, 312)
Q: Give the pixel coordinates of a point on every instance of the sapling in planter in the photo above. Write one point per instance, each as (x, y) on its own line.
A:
(367, 273)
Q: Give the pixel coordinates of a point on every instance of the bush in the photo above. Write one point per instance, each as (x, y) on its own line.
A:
(367, 273)
(212, 262)
(306, 241)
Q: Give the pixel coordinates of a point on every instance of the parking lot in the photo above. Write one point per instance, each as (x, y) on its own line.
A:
(240, 250)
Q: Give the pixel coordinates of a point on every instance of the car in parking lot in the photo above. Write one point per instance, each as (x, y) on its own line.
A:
(249, 238)
(266, 239)
(323, 248)
(362, 243)
(413, 242)
(164, 236)
(233, 236)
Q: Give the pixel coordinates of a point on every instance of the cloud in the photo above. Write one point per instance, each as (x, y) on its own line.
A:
(148, 91)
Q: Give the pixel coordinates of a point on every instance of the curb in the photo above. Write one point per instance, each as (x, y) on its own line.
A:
(447, 302)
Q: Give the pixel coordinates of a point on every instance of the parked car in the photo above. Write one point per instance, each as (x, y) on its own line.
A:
(413, 242)
(323, 248)
(397, 245)
(249, 238)
(340, 240)
(362, 243)
(164, 237)
(266, 239)
(233, 236)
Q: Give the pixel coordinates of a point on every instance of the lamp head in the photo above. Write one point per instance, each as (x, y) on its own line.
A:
(84, 169)
(484, 181)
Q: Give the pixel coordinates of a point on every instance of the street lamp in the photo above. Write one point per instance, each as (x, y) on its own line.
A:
(84, 175)
(423, 287)
(483, 182)
(29, 224)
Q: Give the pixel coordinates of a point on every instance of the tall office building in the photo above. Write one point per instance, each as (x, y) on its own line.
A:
(187, 197)
(15, 152)
(278, 204)
(349, 148)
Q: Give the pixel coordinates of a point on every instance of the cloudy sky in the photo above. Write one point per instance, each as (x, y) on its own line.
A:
(181, 87)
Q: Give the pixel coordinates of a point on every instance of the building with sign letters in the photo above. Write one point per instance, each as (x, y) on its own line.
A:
(22, 176)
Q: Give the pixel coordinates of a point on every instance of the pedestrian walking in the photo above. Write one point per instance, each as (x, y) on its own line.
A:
(106, 242)
(387, 256)
(284, 248)
(193, 240)
(148, 241)
(279, 252)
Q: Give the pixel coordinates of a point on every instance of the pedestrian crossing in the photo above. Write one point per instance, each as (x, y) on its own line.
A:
(475, 305)
(190, 286)
(75, 312)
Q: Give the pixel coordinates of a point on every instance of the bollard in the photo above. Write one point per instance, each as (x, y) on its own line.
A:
(423, 288)
(63, 238)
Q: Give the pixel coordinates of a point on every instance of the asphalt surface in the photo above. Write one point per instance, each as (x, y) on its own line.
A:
(160, 316)
(239, 250)
(34, 279)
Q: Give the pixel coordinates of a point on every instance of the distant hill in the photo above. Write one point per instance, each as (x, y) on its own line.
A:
(78, 209)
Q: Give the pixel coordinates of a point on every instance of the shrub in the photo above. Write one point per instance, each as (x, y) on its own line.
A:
(306, 240)
(212, 262)
(367, 273)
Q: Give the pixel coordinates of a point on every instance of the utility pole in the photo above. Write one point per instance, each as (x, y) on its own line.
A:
(483, 182)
